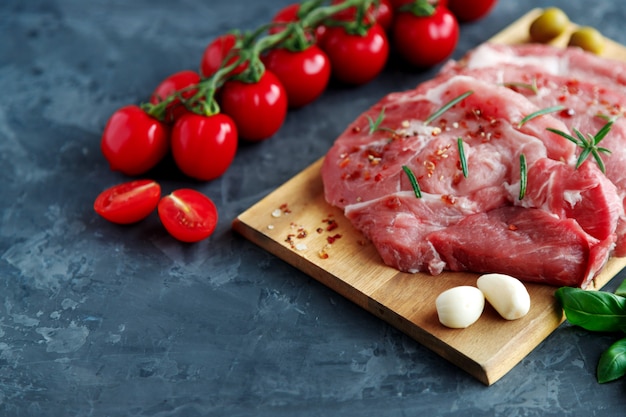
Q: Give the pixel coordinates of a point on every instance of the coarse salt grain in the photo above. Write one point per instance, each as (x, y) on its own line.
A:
(277, 213)
(301, 246)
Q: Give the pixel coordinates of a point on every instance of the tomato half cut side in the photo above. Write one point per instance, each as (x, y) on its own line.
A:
(128, 202)
(188, 215)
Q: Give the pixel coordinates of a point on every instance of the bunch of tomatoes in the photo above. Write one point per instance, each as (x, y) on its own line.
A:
(245, 86)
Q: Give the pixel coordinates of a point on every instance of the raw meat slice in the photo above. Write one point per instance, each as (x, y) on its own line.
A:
(363, 174)
(518, 242)
(585, 85)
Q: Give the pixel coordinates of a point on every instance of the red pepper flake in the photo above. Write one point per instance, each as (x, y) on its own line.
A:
(512, 227)
(332, 239)
(448, 199)
(323, 254)
(319, 230)
(302, 233)
(331, 224)
(285, 208)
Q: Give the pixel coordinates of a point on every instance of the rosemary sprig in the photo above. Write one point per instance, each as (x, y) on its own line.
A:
(532, 87)
(523, 176)
(447, 107)
(541, 112)
(588, 143)
(374, 125)
(413, 180)
(459, 142)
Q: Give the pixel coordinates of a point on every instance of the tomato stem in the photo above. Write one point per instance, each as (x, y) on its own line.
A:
(420, 8)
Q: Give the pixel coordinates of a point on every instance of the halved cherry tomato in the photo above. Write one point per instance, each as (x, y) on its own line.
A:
(425, 41)
(203, 147)
(128, 202)
(258, 109)
(215, 55)
(133, 142)
(188, 215)
(304, 74)
(468, 11)
(356, 59)
(181, 81)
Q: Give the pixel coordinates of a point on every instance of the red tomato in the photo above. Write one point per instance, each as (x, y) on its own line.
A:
(134, 142)
(425, 41)
(289, 14)
(258, 109)
(468, 11)
(304, 74)
(356, 59)
(129, 202)
(188, 215)
(203, 147)
(182, 80)
(382, 14)
(215, 55)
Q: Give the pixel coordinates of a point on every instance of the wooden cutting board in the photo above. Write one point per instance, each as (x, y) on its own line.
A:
(296, 224)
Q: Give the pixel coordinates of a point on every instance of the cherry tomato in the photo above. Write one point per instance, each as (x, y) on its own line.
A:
(289, 14)
(356, 59)
(216, 53)
(203, 147)
(384, 14)
(425, 41)
(258, 109)
(468, 11)
(129, 202)
(304, 74)
(188, 215)
(133, 142)
(381, 13)
(179, 81)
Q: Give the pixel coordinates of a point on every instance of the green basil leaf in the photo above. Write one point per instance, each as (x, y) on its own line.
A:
(612, 364)
(621, 290)
(599, 311)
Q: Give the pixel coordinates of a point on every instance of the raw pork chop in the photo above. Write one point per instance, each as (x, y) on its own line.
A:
(459, 221)
(586, 85)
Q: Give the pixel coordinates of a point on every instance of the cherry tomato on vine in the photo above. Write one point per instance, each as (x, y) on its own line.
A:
(425, 41)
(188, 215)
(203, 147)
(129, 202)
(182, 80)
(216, 53)
(289, 14)
(468, 11)
(258, 109)
(303, 74)
(356, 59)
(381, 13)
(133, 142)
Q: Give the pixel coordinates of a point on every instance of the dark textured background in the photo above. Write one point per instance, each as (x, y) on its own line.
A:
(102, 320)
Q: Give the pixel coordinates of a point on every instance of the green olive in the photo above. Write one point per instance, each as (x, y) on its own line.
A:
(548, 25)
(588, 39)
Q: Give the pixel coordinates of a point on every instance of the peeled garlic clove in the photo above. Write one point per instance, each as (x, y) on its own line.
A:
(506, 294)
(460, 307)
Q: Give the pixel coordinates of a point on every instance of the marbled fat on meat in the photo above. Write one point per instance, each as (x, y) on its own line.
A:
(561, 232)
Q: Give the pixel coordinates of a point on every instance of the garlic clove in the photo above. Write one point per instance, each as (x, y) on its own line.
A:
(506, 294)
(460, 307)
